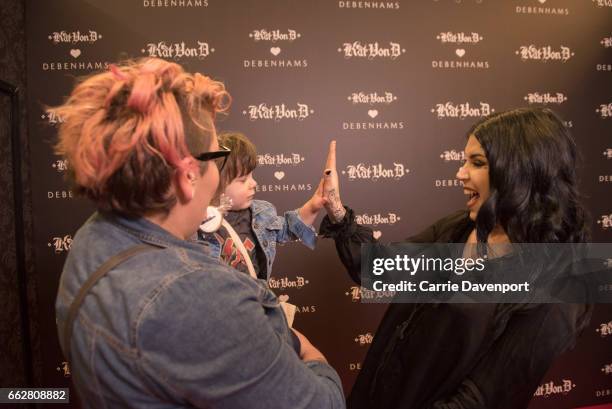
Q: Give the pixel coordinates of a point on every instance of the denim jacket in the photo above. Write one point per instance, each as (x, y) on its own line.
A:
(173, 328)
(270, 228)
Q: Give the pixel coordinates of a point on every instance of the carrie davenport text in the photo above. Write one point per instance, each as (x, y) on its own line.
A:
(465, 286)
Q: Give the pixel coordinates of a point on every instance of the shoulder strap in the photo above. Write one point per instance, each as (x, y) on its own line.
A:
(288, 309)
(91, 281)
(240, 246)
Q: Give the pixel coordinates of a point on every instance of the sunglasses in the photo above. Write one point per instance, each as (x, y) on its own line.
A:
(220, 157)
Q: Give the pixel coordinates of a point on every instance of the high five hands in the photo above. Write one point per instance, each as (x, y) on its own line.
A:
(327, 193)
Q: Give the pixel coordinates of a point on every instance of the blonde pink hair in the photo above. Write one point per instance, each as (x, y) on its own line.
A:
(125, 131)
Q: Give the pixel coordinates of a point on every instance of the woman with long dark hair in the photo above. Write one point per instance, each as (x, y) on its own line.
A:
(520, 178)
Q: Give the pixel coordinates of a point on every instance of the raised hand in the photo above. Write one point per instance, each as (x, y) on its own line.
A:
(331, 186)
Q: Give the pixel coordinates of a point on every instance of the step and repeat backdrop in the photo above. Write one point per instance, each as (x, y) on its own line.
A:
(396, 83)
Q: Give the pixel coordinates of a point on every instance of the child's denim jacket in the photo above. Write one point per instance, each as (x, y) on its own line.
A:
(270, 228)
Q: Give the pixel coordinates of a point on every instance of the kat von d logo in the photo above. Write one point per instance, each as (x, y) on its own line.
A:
(364, 339)
(546, 53)
(61, 165)
(605, 110)
(278, 112)
(550, 388)
(371, 51)
(65, 368)
(162, 49)
(606, 221)
(605, 329)
(61, 244)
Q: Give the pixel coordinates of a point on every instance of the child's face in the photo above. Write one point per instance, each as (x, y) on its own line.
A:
(241, 190)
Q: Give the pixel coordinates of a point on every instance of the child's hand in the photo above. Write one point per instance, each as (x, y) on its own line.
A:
(309, 211)
(331, 186)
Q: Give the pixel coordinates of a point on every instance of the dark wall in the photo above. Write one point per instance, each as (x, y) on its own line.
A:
(421, 129)
(17, 358)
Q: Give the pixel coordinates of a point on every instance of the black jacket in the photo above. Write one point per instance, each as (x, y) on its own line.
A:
(454, 356)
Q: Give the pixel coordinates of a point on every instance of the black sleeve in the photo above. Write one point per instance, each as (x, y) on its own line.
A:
(348, 236)
(509, 373)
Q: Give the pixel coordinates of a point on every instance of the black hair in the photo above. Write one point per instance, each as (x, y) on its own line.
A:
(532, 176)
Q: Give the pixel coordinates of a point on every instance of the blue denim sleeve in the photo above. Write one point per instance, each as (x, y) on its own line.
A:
(215, 339)
(289, 226)
(294, 227)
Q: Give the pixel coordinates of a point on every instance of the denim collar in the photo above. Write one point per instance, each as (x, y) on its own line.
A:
(146, 230)
(257, 207)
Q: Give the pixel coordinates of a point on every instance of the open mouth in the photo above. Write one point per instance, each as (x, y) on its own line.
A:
(472, 197)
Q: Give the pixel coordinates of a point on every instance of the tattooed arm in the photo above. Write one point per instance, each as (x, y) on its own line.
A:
(331, 188)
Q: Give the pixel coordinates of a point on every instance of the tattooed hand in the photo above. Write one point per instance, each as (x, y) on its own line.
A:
(331, 188)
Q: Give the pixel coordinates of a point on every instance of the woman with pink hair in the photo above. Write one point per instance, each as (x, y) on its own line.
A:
(145, 316)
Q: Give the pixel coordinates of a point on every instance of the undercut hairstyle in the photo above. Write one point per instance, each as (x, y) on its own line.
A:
(532, 175)
(241, 161)
(126, 130)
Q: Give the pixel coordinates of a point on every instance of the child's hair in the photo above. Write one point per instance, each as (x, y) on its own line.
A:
(241, 161)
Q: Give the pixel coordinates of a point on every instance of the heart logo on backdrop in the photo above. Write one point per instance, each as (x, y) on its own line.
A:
(75, 53)
(373, 113)
(275, 50)
(460, 52)
(283, 298)
(279, 175)
(377, 234)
